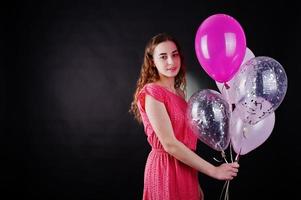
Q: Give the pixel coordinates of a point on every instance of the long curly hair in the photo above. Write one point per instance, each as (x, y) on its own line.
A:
(149, 73)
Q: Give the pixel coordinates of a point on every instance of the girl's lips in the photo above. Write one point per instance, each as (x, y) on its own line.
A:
(172, 68)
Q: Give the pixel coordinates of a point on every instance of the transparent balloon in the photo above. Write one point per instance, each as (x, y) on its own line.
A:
(208, 115)
(260, 87)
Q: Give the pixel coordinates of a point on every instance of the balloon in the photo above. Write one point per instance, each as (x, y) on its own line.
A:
(228, 91)
(220, 46)
(245, 137)
(260, 87)
(208, 116)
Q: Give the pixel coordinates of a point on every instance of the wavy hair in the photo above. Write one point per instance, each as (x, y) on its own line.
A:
(149, 73)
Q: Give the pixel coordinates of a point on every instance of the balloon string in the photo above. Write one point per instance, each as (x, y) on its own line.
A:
(225, 89)
(225, 191)
(238, 155)
(231, 157)
(216, 159)
(225, 184)
(224, 156)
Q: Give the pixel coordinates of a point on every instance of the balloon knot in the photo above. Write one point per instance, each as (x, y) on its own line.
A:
(226, 86)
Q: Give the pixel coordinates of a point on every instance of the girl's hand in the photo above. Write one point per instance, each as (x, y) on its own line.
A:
(226, 171)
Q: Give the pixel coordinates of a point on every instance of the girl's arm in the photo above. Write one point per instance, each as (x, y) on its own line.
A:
(162, 126)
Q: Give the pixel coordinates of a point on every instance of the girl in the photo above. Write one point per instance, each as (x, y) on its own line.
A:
(159, 103)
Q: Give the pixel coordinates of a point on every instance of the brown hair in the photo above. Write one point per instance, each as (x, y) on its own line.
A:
(149, 73)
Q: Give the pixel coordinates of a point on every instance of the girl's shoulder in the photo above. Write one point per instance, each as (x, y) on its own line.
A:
(153, 90)
(153, 86)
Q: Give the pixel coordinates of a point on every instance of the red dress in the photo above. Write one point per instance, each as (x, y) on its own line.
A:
(165, 177)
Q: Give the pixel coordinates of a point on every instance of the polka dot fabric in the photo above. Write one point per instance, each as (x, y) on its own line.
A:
(166, 178)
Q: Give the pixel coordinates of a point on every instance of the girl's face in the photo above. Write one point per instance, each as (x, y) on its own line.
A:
(167, 59)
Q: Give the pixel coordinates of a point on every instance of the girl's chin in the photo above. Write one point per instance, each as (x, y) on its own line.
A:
(170, 75)
(174, 72)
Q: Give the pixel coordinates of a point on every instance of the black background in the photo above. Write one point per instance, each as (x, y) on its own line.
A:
(70, 72)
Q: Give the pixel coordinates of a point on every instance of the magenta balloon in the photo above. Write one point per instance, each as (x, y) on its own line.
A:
(220, 46)
(245, 137)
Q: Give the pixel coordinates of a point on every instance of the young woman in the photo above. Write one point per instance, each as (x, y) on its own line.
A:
(172, 167)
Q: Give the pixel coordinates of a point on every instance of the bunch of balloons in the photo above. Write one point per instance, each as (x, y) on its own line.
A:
(251, 89)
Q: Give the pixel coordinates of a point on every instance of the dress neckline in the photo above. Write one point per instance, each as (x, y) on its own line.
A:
(169, 91)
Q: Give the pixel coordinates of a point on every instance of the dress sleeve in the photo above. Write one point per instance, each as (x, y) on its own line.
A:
(152, 90)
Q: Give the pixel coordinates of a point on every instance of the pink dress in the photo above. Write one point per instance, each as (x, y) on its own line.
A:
(165, 177)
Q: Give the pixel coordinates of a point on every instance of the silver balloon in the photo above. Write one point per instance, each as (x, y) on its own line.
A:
(260, 86)
(208, 116)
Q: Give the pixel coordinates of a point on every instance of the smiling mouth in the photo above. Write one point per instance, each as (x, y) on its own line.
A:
(172, 68)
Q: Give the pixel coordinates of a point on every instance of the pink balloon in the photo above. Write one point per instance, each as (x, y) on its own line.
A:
(229, 93)
(245, 137)
(220, 46)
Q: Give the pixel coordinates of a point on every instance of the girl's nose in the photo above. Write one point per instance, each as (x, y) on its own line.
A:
(170, 60)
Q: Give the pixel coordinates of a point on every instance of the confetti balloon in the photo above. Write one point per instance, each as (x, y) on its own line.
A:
(208, 116)
(260, 87)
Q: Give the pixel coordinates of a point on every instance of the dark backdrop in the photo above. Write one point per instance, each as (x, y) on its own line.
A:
(68, 82)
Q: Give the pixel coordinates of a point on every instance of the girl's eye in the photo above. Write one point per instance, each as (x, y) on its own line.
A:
(175, 55)
(163, 57)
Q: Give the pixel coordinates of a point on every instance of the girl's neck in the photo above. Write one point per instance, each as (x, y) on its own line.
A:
(167, 83)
